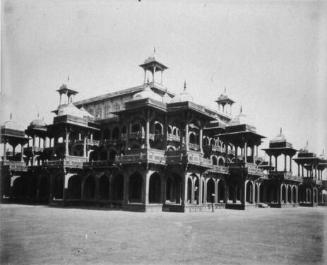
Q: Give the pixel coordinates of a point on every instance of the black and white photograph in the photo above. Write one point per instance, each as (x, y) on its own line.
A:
(163, 132)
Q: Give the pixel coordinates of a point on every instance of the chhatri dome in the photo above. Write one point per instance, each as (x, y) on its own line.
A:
(279, 138)
(12, 125)
(37, 123)
(183, 96)
(239, 119)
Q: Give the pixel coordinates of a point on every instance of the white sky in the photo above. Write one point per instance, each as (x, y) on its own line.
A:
(270, 56)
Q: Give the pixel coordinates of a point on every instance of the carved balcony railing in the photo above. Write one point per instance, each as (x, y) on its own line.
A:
(173, 138)
(194, 147)
(18, 166)
(251, 169)
(283, 175)
(98, 164)
(142, 156)
(68, 161)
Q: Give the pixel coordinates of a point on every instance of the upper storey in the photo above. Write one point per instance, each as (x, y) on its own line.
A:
(108, 105)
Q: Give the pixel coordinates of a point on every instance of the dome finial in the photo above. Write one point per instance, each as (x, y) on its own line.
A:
(10, 116)
(154, 51)
(225, 90)
(281, 131)
(184, 85)
(241, 110)
(307, 145)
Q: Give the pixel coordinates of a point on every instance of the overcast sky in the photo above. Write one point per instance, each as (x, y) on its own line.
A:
(270, 56)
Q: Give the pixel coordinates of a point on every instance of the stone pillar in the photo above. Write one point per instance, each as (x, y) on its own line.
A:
(147, 133)
(186, 138)
(216, 191)
(84, 147)
(253, 192)
(200, 201)
(270, 162)
(205, 191)
(22, 153)
(290, 164)
(285, 162)
(280, 194)
(253, 156)
(243, 192)
(192, 192)
(67, 143)
(245, 152)
(184, 189)
(276, 163)
(302, 168)
(201, 140)
(163, 189)
(165, 132)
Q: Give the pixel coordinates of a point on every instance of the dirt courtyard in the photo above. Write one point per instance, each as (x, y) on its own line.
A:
(45, 235)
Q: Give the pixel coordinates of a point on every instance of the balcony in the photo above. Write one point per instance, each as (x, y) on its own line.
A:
(18, 166)
(89, 142)
(194, 147)
(173, 138)
(98, 164)
(283, 175)
(219, 169)
(68, 162)
(154, 156)
(190, 157)
(249, 168)
(311, 180)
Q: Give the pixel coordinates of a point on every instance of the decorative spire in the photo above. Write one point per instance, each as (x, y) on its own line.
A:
(281, 131)
(225, 90)
(154, 51)
(10, 116)
(241, 110)
(307, 145)
(185, 85)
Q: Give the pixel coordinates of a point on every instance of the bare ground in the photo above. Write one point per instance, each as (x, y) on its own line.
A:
(45, 235)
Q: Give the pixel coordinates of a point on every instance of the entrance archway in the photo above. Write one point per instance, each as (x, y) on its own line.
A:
(74, 187)
(210, 191)
(135, 187)
(104, 187)
(117, 187)
(155, 188)
(89, 188)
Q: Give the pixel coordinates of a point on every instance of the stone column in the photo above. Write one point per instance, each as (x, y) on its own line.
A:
(258, 194)
(285, 162)
(245, 152)
(290, 164)
(165, 132)
(67, 143)
(253, 156)
(276, 163)
(200, 190)
(84, 147)
(253, 192)
(163, 189)
(5, 150)
(201, 140)
(270, 161)
(22, 153)
(186, 138)
(147, 132)
(216, 191)
(184, 189)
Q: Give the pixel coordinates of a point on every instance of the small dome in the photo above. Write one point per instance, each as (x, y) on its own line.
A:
(280, 137)
(147, 92)
(183, 96)
(70, 109)
(38, 123)
(12, 125)
(239, 119)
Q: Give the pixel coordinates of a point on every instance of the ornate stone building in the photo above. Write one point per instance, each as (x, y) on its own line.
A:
(146, 149)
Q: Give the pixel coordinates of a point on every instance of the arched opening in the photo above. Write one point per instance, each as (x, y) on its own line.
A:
(289, 195)
(104, 187)
(256, 188)
(115, 133)
(169, 130)
(189, 190)
(158, 128)
(283, 194)
(192, 138)
(210, 191)
(155, 188)
(89, 188)
(221, 191)
(221, 161)
(214, 160)
(249, 192)
(174, 189)
(93, 156)
(135, 187)
(18, 190)
(117, 187)
(74, 187)
(205, 141)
